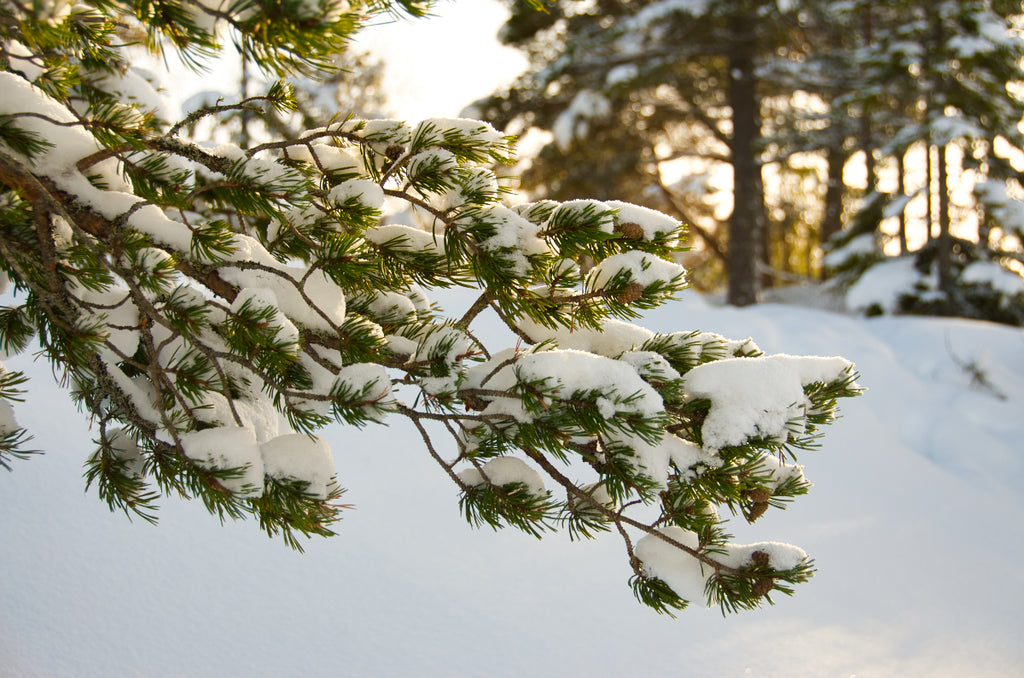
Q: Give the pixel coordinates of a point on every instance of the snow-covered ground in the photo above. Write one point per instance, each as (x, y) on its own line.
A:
(915, 522)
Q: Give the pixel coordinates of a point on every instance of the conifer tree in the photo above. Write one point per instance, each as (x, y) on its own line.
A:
(211, 307)
(938, 80)
(625, 85)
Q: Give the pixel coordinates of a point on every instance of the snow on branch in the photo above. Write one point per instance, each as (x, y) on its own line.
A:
(213, 306)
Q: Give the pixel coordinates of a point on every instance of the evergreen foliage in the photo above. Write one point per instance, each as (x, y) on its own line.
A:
(787, 96)
(938, 81)
(212, 307)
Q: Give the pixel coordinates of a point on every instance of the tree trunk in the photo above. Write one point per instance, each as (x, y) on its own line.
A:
(945, 243)
(832, 221)
(929, 180)
(746, 225)
(901, 171)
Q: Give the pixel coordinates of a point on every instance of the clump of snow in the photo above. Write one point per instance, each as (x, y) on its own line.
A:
(331, 158)
(8, 424)
(406, 238)
(621, 74)
(684, 574)
(590, 213)
(363, 191)
(613, 338)
(515, 239)
(565, 375)
(779, 470)
(572, 372)
(650, 365)
(443, 342)
(70, 141)
(431, 161)
(643, 268)
(653, 223)
(116, 311)
(757, 397)
(505, 471)
(475, 184)
(260, 298)
(228, 447)
(574, 122)
(991, 273)
(302, 458)
(139, 391)
(883, 284)
(432, 131)
(369, 379)
(125, 448)
(388, 307)
(135, 86)
(652, 458)
(23, 61)
(860, 246)
(688, 576)
(307, 296)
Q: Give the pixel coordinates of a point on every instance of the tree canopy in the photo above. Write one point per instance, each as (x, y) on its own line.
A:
(748, 119)
(212, 306)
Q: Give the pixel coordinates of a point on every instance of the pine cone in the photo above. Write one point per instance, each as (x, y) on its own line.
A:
(763, 586)
(757, 510)
(632, 292)
(760, 495)
(630, 230)
(760, 559)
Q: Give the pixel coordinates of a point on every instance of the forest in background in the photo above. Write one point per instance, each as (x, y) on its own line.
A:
(799, 140)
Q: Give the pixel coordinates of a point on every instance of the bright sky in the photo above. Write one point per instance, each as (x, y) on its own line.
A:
(437, 66)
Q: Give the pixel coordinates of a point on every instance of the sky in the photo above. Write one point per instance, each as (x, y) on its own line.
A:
(437, 66)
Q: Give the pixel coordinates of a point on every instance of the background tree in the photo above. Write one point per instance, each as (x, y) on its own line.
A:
(938, 80)
(642, 83)
(626, 87)
(211, 307)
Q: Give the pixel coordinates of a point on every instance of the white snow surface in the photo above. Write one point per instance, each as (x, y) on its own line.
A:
(914, 523)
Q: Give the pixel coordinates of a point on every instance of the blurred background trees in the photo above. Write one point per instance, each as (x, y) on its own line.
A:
(883, 134)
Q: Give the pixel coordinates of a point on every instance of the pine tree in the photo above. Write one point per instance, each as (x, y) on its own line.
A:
(625, 85)
(937, 82)
(212, 307)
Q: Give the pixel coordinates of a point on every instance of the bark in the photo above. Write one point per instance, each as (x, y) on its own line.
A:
(901, 172)
(832, 221)
(746, 225)
(947, 276)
